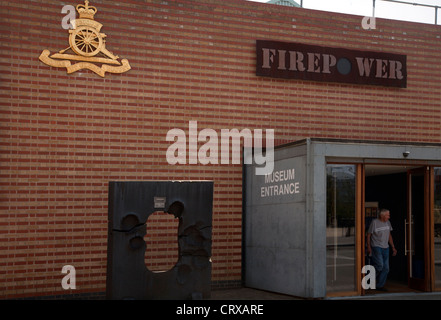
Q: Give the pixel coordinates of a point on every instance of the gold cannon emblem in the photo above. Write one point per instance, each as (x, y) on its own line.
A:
(87, 46)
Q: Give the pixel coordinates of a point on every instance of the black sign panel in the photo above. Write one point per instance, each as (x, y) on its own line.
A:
(307, 62)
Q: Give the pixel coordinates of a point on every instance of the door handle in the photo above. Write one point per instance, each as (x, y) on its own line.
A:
(405, 237)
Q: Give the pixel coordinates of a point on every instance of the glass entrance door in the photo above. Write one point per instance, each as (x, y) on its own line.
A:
(436, 204)
(408, 193)
(417, 229)
(342, 229)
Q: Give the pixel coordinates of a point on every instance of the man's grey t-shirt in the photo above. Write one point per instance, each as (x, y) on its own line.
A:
(380, 233)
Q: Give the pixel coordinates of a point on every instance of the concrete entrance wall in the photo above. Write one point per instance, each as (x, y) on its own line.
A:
(274, 230)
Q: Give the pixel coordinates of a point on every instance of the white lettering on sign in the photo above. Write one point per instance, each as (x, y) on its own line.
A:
(280, 183)
(277, 59)
(384, 68)
(322, 63)
(316, 62)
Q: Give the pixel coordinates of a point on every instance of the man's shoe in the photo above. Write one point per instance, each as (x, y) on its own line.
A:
(382, 289)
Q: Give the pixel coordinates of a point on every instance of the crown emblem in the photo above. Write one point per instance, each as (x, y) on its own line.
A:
(85, 11)
(88, 45)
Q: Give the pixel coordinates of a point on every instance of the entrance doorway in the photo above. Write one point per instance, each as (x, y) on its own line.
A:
(312, 243)
(404, 191)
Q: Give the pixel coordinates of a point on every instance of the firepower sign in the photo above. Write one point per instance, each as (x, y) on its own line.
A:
(307, 62)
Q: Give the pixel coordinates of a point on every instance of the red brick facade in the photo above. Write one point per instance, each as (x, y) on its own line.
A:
(63, 137)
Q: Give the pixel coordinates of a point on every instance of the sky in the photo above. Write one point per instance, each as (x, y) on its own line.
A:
(383, 9)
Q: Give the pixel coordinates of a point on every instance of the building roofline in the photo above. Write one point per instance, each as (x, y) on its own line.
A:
(358, 141)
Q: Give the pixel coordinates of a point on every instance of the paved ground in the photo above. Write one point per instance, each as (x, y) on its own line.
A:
(253, 294)
(397, 296)
(248, 294)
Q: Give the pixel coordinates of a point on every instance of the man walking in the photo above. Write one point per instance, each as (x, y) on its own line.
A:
(378, 240)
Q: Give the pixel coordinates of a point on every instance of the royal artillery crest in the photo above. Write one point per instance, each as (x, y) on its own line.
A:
(87, 46)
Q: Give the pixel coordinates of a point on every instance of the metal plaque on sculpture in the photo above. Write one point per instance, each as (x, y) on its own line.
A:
(307, 62)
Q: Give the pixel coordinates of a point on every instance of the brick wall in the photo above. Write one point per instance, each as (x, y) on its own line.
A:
(161, 242)
(64, 137)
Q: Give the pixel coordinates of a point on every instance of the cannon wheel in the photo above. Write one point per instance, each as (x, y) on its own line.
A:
(86, 41)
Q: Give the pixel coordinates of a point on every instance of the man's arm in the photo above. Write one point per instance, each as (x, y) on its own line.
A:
(391, 242)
